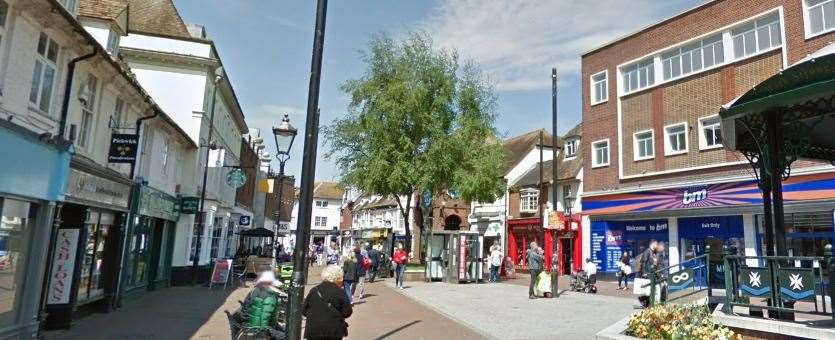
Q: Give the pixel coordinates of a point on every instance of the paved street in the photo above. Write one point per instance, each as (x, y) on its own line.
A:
(503, 311)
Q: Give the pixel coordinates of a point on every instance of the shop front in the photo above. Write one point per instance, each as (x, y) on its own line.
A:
(689, 219)
(520, 233)
(150, 241)
(31, 189)
(87, 247)
(564, 235)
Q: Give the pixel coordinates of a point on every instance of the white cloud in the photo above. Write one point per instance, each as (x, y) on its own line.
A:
(518, 42)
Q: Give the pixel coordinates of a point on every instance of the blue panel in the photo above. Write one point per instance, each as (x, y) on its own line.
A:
(609, 239)
(702, 227)
(32, 168)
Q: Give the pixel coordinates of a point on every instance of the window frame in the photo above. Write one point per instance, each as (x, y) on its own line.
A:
(703, 140)
(594, 160)
(668, 151)
(320, 221)
(647, 63)
(635, 145)
(574, 146)
(44, 62)
(593, 88)
(807, 20)
(700, 45)
(755, 28)
(528, 200)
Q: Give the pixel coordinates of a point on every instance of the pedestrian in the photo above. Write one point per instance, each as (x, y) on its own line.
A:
(260, 307)
(311, 254)
(496, 257)
(333, 254)
(349, 274)
(362, 267)
(399, 261)
(326, 307)
(374, 256)
(535, 260)
(647, 264)
(624, 270)
(320, 253)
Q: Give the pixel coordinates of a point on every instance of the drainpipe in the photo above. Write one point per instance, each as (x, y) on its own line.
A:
(138, 130)
(65, 106)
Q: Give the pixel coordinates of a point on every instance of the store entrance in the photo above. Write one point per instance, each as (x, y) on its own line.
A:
(566, 251)
(696, 234)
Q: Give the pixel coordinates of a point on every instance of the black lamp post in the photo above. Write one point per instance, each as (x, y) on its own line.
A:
(284, 135)
(568, 203)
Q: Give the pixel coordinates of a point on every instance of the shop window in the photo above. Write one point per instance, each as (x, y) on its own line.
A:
(529, 201)
(138, 252)
(676, 139)
(91, 281)
(820, 16)
(16, 225)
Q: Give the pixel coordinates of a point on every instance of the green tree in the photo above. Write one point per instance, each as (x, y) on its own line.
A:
(418, 121)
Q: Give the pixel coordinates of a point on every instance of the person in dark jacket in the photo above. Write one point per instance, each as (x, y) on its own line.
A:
(374, 256)
(326, 307)
(535, 260)
(361, 272)
(349, 274)
(649, 264)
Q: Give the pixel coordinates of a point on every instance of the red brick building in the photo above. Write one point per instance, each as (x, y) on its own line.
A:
(655, 166)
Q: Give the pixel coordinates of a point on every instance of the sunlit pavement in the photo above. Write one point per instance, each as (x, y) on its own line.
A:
(503, 311)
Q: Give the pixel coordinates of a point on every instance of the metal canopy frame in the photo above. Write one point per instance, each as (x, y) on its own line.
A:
(778, 122)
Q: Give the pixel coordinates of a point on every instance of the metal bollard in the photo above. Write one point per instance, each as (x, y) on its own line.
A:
(730, 289)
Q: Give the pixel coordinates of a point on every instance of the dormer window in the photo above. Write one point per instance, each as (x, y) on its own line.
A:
(529, 200)
(571, 148)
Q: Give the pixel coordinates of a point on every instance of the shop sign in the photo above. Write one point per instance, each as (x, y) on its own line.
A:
(754, 281)
(283, 228)
(63, 267)
(797, 283)
(189, 205)
(244, 220)
(92, 188)
(155, 203)
(123, 148)
(236, 178)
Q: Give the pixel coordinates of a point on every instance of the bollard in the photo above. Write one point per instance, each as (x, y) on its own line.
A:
(730, 289)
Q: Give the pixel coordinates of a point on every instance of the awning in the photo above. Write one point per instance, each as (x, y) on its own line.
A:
(802, 96)
(257, 232)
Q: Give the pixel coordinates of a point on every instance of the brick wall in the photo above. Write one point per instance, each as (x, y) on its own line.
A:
(687, 99)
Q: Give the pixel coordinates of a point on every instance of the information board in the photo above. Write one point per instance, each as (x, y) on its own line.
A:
(220, 272)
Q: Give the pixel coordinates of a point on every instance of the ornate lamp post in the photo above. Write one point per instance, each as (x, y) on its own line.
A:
(284, 135)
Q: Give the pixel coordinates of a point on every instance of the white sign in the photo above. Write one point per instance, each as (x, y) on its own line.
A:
(63, 267)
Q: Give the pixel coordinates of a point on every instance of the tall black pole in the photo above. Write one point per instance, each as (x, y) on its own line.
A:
(311, 136)
(555, 276)
(775, 143)
(201, 224)
(280, 192)
(541, 195)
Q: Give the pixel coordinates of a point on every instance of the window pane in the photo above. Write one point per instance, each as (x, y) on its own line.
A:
(739, 50)
(676, 67)
(750, 42)
(52, 54)
(719, 52)
(46, 91)
(16, 224)
(708, 132)
(686, 63)
(697, 59)
(36, 82)
(776, 37)
(633, 81)
(763, 39)
(816, 19)
(829, 15)
(42, 42)
(708, 56)
(667, 65)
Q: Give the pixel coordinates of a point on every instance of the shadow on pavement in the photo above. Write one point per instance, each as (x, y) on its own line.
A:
(398, 329)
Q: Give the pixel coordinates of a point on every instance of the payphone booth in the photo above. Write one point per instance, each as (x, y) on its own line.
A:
(455, 257)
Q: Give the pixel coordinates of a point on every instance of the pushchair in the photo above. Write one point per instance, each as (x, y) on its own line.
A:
(580, 282)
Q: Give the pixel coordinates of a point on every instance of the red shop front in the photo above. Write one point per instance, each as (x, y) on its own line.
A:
(523, 231)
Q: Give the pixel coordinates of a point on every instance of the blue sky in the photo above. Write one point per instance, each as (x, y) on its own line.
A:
(266, 48)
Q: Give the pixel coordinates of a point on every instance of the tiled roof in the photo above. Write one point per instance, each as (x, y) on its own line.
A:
(102, 9)
(567, 169)
(328, 190)
(517, 147)
(158, 17)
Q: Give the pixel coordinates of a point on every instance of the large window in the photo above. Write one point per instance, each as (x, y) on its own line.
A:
(88, 110)
(529, 200)
(820, 16)
(757, 36)
(138, 252)
(217, 233)
(693, 57)
(638, 75)
(676, 139)
(320, 221)
(16, 225)
(600, 153)
(644, 145)
(599, 87)
(43, 76)
(711, 136)
(91, 283)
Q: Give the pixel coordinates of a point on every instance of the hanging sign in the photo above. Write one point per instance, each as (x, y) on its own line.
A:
(189, 205)
(236, 178)
(123, 148)
(63, 267)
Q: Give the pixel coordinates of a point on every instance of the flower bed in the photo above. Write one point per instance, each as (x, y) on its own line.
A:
(677, 322)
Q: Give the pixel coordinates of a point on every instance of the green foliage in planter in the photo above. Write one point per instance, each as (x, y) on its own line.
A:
(676, 322)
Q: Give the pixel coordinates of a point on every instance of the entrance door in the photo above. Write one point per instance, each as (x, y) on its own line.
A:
(439, 256)
(566, 251)
(155, 270)
(695, 234)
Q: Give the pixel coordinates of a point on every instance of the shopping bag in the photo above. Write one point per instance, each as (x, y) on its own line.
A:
(639, 289)
(543, 283)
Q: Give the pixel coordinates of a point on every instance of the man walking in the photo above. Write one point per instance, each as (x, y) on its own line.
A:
(535, 260)
(647, 263)
(374, 256)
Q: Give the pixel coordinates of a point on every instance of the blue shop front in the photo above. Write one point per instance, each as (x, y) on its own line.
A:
(34, 174)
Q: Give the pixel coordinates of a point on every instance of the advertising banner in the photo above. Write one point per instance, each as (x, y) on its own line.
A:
(63, 267)
(220, 272)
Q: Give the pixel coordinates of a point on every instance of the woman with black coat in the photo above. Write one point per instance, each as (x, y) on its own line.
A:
(326, 308)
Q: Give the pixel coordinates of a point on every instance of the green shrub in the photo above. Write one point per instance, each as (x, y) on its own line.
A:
(676, 322)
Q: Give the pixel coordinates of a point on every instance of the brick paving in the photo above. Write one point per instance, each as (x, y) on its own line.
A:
(198, 313)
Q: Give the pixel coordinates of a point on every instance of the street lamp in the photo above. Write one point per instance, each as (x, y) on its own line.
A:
(568, 203)
(284, 135)
(201, 224)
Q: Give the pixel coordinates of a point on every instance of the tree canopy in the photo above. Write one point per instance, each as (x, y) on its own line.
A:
(418, 121)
